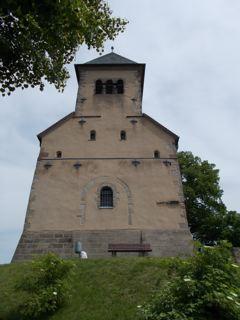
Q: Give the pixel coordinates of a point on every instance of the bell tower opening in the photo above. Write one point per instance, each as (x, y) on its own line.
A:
(110, 80)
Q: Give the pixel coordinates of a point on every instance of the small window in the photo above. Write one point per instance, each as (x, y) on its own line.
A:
(109, 87)
(99, 87)
(120, 88)
(59, 154)
(156, 154)
(123, 135)
(106, 197)
(92, 135)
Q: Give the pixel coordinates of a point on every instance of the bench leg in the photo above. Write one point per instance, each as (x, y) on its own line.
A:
(114, 253)
(142, 254)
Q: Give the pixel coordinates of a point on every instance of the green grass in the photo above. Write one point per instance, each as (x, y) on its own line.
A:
(103, 289)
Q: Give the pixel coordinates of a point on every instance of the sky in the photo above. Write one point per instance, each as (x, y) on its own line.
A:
(192, 86)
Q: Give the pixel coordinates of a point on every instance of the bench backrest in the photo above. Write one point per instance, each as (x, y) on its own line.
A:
(129, 247)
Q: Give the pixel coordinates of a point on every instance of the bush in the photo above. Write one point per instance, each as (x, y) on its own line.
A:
(205, 287)
(45, 287)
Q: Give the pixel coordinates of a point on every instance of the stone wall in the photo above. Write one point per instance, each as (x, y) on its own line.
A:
(148, 196)
(37, 243)
(164, 243)
(148, 201)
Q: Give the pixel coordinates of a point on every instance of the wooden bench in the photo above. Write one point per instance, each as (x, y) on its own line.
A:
(129, 247)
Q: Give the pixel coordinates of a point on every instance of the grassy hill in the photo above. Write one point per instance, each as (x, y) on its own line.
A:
(104, 289)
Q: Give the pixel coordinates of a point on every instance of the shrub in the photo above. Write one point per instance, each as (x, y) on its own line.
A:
(45, 287)
(204, 287)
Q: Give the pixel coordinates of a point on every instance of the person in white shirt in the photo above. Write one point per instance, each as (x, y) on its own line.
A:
(83, 255)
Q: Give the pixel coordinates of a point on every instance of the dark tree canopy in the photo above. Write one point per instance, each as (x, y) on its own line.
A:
(231, 229)
(208, 218)
(39, 37)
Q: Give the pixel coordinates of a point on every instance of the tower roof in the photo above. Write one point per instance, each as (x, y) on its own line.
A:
(111, 61)
(111, 58)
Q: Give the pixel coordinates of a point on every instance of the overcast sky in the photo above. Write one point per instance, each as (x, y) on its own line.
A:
(192, 55)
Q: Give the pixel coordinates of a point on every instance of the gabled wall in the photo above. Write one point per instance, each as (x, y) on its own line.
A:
(64, 199)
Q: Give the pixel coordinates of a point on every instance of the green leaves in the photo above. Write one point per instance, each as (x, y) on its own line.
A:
(45, 286)
(206, 286)
(38, 38)
(208, 217)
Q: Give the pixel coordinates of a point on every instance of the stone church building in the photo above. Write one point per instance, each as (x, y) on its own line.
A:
(107, 173)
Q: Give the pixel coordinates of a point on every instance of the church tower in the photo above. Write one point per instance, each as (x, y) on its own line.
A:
(107, 173)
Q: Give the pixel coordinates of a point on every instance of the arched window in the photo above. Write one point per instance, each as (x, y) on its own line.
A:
(123, 135)
(120, 88)
(92, 135)
(106, 197)
(59, 154)
(109, 87)
(99, 87)
(156, 154)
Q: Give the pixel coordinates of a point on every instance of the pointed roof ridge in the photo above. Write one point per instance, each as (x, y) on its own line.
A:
(111, 58)
(146, 116)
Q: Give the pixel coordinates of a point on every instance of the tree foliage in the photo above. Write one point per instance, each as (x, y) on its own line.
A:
(231, 228)
(208, 217)
(38, 37)
(204, 287)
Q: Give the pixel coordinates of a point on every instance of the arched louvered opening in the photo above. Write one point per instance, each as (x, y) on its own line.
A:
(156, 154)
(109, 87)
(120, 88)
(106, 197)
(59, 154)
(99, 87)
(123, 135)
(92, 135)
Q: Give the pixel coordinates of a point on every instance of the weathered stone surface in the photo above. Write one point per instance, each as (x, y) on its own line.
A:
(95, 243)
(64, 204)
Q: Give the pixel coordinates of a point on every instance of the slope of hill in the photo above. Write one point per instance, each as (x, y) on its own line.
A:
(104, 289)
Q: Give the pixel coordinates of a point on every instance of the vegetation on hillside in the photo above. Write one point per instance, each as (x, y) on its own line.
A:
(100, 289)
(44, 286)
(205, 287)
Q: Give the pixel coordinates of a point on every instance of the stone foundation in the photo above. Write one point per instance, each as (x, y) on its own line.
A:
(164, 243)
